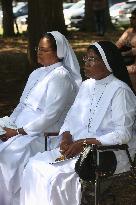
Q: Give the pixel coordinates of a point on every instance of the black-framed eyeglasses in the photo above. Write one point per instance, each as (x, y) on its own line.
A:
(90, 59)
(42, 49)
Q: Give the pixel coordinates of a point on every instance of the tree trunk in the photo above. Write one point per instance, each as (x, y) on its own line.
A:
(109, 25)
(44, 15)
(89, 24)
(8, 22)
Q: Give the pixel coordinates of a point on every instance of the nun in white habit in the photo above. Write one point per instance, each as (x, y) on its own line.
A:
(46, 99)
(103, 113)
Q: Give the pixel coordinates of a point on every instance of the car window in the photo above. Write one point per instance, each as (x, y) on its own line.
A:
(117, 6)
(79, 4)
(67, 5)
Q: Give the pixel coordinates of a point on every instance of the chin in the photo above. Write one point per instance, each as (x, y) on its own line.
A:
(88, 76)
(39, 62)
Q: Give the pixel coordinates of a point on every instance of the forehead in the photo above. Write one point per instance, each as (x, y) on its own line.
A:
(45, 42)
(91, 52)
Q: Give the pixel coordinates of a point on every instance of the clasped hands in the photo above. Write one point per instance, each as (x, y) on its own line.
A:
(71, 149)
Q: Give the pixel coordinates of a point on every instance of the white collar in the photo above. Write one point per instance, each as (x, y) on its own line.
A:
(53, 66)
(106, 80)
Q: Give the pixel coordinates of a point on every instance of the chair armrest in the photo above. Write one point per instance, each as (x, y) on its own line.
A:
(117, 147)
(110, 147)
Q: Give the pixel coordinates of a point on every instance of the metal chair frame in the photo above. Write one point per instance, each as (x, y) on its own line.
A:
(100, 176)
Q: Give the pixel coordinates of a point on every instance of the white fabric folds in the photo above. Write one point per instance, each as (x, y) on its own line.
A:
(60, 184)
(45, 101)
(65, 52)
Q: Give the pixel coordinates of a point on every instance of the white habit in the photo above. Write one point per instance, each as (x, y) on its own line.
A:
(47, 97)
(111, 120)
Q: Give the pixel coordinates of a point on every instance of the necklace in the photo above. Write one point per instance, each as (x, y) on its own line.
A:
(38, 80)
(92, 111)
(28, 92)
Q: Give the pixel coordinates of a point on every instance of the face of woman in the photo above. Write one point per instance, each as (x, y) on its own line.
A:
(45, 54)
(133, 21)
(94, 66)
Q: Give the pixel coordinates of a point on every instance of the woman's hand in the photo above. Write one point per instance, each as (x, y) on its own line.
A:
(74, 149)
(65, 142)
(64, 147)
(3, 138)
(9, 133)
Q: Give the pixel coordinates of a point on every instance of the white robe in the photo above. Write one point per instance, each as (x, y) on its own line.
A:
(53, 184)
(43, 105)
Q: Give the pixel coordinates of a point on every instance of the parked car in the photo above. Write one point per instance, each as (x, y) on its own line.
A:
(76, 9)
(112, 2)
(22, 20)
(18, 9)
(120, 13)
(1, 16)
(22, 23)
(115, 11)
(21, 11)
(67, 5)
(123, 19)
(76, 20)
(17, 6)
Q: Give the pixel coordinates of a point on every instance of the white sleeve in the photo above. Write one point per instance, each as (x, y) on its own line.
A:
(60, 91)
(123, 118)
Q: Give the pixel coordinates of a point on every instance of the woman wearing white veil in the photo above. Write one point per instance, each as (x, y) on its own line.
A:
(103, 113)
(47, 97)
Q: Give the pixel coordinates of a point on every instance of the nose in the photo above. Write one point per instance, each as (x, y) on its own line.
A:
(87, 66)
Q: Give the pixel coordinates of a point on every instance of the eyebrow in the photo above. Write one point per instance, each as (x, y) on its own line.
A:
(46, 48)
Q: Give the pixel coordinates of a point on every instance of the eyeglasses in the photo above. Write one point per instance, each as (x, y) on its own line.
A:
(42, 49)
(90, 59)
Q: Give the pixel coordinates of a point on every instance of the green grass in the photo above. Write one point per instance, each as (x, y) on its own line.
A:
(1, 30)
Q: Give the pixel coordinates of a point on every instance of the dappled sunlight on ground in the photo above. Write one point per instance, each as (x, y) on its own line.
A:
(13, 45)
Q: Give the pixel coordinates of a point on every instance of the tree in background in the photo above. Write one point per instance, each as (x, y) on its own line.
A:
(44, 15)
(88, 24)
(8, 22)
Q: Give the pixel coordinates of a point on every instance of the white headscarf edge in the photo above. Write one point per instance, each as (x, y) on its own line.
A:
(65, 52)
(102, 55)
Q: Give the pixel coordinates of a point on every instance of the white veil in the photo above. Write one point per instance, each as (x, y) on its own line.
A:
(65, 52)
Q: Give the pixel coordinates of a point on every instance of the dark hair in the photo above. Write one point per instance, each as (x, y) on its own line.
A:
(133, 12)
(51, 39)
(115, 61)
(93, 47)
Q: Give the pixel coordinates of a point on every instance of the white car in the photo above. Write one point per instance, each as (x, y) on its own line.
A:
(22, 20)
(1, 15)
(121, 12)
(18, 6)
(67, 5)
(22, 23)
(73, 10)
(116, 9)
